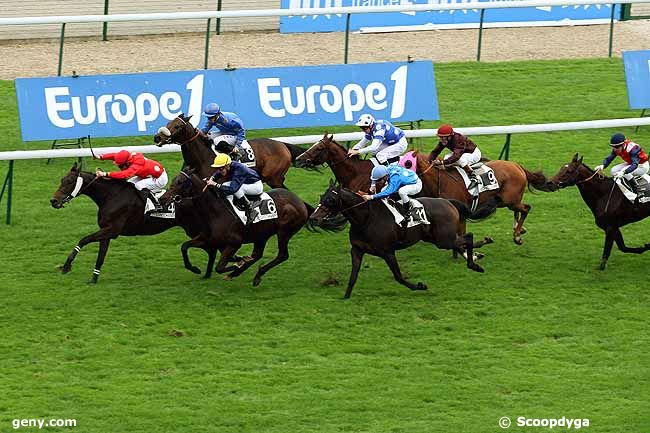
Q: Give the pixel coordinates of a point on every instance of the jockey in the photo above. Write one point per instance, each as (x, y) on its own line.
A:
(387, 142)
(636, 161)
(399, 179)
(242, 181)
(145, 174)
(464, 152)
(230, 128)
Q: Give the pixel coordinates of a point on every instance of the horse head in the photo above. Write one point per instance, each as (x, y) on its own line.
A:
(70, 186)
(183, 186)
(177, 130)
(571, 173)
(317, 154)
(332, 202)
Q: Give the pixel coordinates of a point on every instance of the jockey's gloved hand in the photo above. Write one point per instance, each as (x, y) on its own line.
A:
(619, 174)
(599, 167)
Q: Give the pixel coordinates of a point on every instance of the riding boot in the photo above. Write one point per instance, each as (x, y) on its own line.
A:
(248, 208)
(146, 193)
(408, 208)
(473, 180)
(235, 154)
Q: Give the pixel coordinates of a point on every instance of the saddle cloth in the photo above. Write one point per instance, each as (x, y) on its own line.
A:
(642, 186)
(418, 215)
(487, 181)
(247, 157)
(264, 209)
(169, 212)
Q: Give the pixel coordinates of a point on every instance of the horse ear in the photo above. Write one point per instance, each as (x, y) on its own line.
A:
(74, 167)
(575, 157)
(415, 153)
(331, 137)
(580, 160)
(189, 117)
(325, 135)
(181, 116)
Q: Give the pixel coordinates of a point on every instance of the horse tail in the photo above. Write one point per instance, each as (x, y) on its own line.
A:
(295, 151)
(538, 181)
(485, 210)
(310, 208)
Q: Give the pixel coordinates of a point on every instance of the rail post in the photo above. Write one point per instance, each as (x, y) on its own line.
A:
(218, 26)
(480, 36)
(7, 185)
(505, 151)
(347, 38)
(61, 50)
(105, 24)
(611, 30)
(207, 44)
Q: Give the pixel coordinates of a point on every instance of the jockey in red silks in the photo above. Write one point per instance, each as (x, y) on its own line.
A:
(636, 161)
(145, 174)
(464, 152)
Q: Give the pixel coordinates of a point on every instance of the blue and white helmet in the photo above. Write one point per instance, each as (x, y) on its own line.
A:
(378, 172)
(365, 120)
(212, 109)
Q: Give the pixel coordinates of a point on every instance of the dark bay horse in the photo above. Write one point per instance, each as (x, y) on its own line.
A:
(273, 158)
(121, 213)
(354, 173)
(221, 229)
(611, 209)
(373, 229)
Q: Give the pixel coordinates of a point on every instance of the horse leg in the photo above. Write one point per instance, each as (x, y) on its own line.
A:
(212, 255)
(196, 242)
(104, 233)
(610, 234)
(101, 255)
(391, 261)
(258, 252)
(357, 256)
(468, 244)
(226, 255)
(520, 213)
(620, 243)
(283, 255)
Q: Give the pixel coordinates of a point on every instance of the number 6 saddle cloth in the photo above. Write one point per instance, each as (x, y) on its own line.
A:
(262, 208)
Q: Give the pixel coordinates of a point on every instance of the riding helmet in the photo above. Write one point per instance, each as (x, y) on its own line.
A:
(365, 120)
(212, 109)
(378, 172)
(617, 139)
(445, 130)
(221, 160)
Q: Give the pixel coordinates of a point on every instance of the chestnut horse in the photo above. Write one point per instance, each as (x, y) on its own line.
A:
(611, 209)
(354, 173)
(273, 158)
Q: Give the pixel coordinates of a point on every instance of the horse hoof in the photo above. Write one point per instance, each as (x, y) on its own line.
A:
(206, 276)
(523, 230)
(194, 269)
(518, 240)
(422, 286)
(488, 240)
(256, 281)
(227, 277)
(92, 281)
(602, 265)
(478, 256)
(477, 268)
(65, 269)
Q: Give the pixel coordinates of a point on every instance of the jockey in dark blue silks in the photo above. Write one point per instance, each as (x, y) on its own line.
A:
(242, 181)
(398, 179)
(230, 128)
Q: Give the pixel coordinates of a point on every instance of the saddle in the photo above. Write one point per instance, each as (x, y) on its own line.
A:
(635, 190)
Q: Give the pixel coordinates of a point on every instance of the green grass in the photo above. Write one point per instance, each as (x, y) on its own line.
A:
(541, 334)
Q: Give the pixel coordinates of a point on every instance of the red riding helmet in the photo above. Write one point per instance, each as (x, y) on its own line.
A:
(122, 157)
(445, 130)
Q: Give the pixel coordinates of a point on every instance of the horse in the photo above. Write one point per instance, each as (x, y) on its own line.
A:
(374, 231)
(221, 229)
(273, 158)
(354, 173)
(611, 209)
(121, 213)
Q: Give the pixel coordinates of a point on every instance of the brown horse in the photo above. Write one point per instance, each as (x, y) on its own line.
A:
(436, 180)
(273, 158)
(608, 204)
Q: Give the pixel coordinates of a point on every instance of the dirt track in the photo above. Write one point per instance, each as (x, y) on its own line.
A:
(182, 52)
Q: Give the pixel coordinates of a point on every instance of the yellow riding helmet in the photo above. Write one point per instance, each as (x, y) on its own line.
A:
(221, 160)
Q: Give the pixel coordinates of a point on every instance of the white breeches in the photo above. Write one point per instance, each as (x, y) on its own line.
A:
(256, 188)
(640, 170)
(467, 158)
(153, 185)
(407, 190)
(392, 151)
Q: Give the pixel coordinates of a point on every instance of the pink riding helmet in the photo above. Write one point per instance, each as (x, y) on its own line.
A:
(409, 161)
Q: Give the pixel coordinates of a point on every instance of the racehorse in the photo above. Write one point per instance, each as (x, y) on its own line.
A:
(374, 231)
(436, 181)
(121, 212)
(221, 229)
(273, 158)
(611, 209)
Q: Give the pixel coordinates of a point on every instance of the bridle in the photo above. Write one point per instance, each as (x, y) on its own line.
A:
(332, 164)
(78, 189)
(170, 137)
(188, 180)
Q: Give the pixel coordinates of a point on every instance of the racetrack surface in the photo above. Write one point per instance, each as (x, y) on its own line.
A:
(262, 49)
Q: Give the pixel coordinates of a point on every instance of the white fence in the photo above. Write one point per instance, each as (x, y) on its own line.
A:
(348, 136)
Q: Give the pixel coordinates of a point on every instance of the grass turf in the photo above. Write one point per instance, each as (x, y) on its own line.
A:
(541, 334)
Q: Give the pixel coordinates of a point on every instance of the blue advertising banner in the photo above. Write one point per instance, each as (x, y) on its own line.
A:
(336, 22)
(637, 76)
(138, 104)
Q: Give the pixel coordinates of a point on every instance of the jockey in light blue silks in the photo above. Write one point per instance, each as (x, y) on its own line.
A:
(398, 179)
(387, 142)
(230, 128)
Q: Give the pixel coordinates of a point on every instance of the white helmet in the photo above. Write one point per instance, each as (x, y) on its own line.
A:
(365, 120)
